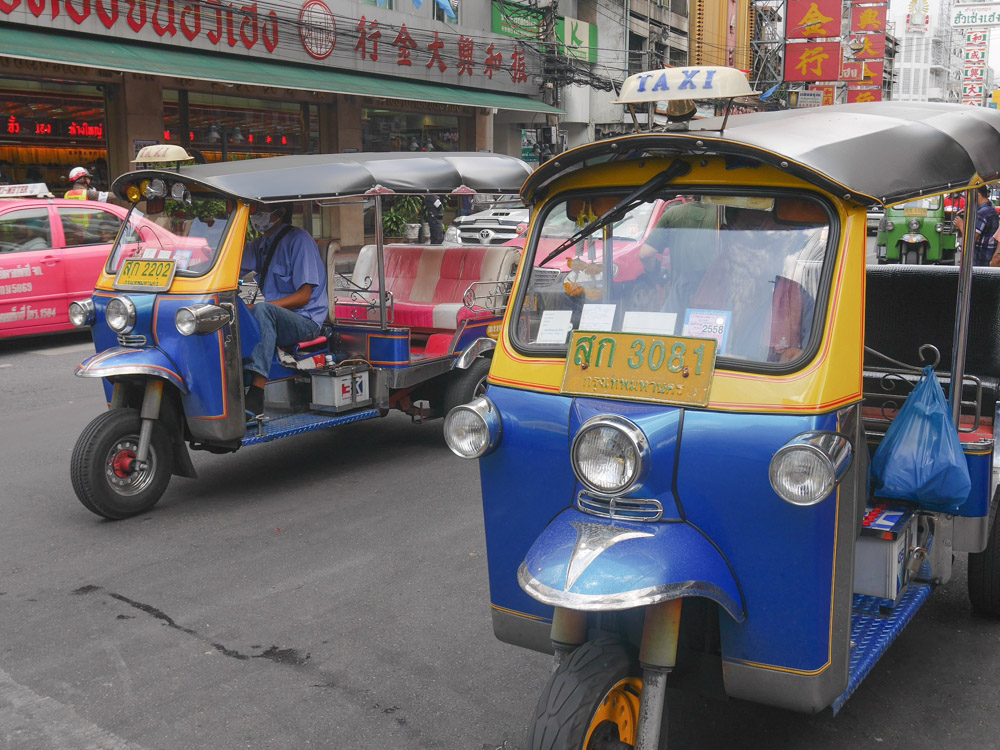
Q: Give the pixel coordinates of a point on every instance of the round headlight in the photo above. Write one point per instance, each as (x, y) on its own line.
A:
(473, 429)
(133, 194)
(914, 225)
(179, 192)
(889, 226)
(805, 470)
(155, 189)
(81, 313)
(186, 321)
(120, 314)
(610, 455)
(939, 227)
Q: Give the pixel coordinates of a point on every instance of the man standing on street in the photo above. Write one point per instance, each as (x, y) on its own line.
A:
(987, 223)
(80, 189)
(292, 277)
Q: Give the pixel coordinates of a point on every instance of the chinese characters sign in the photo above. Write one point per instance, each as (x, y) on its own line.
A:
(812, 61)
(977, 14)
(813, 19)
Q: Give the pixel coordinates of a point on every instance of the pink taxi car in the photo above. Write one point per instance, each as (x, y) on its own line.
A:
(51, 253)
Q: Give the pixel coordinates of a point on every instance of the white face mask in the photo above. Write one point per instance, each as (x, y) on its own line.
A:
(264, 220)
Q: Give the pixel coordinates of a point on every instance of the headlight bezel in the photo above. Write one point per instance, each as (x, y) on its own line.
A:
(87, 311)
(833, 450)
(484, 410)
(634, 436)
(205, 318)
(130, 314)
(914, 225)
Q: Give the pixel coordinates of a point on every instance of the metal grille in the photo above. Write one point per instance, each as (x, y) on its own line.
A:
(626, 509)
(131, 339)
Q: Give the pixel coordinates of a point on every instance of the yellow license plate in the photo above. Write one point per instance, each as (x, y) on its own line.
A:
(639, 367)
(914, 212)
(145, 275)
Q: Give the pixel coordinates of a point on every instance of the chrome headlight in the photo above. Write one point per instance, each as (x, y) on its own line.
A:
(452, 235)
(473, 429)
(82, 313)
(610, 455)
(120, 314)
(889, 226)
(939, 227)
(156, 188)
(914, 225)
(201, 318)
(807, 468)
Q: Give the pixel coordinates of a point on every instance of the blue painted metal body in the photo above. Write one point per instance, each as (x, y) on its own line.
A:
(713, 469)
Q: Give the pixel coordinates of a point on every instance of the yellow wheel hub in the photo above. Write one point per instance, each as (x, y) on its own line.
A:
(620, 707)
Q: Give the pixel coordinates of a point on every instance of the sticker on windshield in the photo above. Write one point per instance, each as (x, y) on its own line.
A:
(658, 323)
(596, 317)
(554, 326)
(708, 324)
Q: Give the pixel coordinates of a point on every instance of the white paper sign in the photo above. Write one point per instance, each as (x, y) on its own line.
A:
(708, 324)
(554, 327)
(658, 323)
(597, 317)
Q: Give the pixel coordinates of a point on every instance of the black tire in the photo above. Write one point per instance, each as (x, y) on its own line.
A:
(911, 257)
(464, 385)
(601, 678)
(984, 574)
(102, 479)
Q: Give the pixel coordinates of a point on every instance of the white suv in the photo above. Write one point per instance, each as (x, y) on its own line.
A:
(505, 219)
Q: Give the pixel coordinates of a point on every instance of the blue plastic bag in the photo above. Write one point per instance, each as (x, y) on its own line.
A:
(921, 458)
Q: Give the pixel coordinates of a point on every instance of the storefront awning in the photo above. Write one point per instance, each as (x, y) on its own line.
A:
(26, 43)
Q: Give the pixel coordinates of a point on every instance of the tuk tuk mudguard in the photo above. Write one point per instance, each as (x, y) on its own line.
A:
(793, 651)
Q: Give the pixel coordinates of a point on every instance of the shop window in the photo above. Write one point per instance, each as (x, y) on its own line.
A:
(441, 8)
(88, 226)
(24, 230)
(384, 130)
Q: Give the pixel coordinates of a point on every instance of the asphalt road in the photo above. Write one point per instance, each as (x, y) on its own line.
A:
(330, 591)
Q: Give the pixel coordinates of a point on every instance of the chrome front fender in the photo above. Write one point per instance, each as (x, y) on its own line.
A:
(590, 564)
(122, 360)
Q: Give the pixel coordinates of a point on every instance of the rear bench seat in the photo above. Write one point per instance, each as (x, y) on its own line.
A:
(909, 305)
(427, 283)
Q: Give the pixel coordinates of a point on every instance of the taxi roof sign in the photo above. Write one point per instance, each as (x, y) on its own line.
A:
(27, 190)
(160, 153)
(698, 82)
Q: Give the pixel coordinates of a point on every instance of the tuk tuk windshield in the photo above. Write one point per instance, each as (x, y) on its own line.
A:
(924, 204)
(189, 231)
(744, 270)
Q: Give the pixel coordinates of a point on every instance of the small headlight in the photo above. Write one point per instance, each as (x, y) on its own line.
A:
(914, 225)
(133, 193)
(473, 429)
(889, 226)
(155, 189)
(939, 227)
(201, 318)
(806, 469)
(610, 455)
(179, 192)
(82, 313)
(120, 314)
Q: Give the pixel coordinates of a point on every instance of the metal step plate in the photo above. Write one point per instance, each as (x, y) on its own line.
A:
(873, 629)
(295, 424)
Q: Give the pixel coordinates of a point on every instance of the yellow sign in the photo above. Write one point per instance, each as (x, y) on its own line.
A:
(640, 367)
(493, 330)
(914, 212)
(145, 275)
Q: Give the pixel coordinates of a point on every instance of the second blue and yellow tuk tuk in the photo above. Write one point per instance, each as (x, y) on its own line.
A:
(678, 495)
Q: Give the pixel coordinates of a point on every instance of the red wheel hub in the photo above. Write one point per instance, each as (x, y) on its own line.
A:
(122, 463)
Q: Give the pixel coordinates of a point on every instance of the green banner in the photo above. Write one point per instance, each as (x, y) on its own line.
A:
(579, 38)
(516, 20)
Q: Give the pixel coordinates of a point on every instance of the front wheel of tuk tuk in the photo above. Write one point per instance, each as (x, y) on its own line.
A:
(464, 385)
(103, 471)
(591, 701)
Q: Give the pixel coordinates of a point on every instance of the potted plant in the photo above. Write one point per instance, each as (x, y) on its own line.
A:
(400, 215)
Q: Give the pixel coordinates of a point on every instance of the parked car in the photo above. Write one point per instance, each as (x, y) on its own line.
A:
(51, 253)
(503, 220)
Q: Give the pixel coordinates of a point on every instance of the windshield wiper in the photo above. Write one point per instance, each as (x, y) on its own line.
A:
(677, 168)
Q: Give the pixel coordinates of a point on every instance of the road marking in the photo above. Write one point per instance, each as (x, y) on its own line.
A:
(28, 719)
(55, 351)
(6, 365)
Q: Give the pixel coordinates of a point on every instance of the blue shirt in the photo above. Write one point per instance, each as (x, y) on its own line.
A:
(296, 261)
(987, 222)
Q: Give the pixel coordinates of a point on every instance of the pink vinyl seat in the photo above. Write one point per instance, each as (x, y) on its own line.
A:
(427, 283)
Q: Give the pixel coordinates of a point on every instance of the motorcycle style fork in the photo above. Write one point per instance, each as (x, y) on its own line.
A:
(149, 413)
(657, 657)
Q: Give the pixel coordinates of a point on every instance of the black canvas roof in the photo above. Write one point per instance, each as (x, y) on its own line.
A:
(314, 176)
(879, 152)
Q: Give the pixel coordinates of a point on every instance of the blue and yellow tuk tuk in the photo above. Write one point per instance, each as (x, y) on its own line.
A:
(678, 495)
(410, 327)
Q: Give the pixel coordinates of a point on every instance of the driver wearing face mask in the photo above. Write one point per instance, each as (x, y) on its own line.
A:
(292, 278)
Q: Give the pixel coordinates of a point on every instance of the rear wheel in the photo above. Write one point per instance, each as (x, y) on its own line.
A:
(591, 702)
(465, 385)
(103, 469)
(984, 574)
